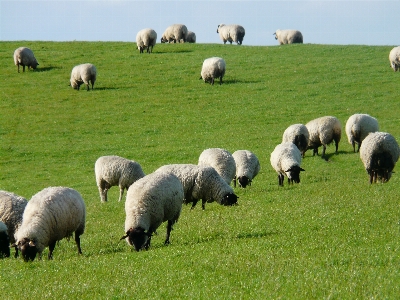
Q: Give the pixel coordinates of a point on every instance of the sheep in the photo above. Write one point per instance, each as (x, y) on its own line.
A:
(379, 153)
(51, 215)
(201, 182)
(358, 126)
(191, 37)
(221, 160)
(231, 33)
(84, 73)
(286, 160)
(288, 36)
(394, 58)
(322, 131)
(151, 200)
(298, 135)
(175, 33)
(12, 208)
(247, 167)
(4, 241)
(115, 170)
(146, 39)
(213, 67)
(24, 56)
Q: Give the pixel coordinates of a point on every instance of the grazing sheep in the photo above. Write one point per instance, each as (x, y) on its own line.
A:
(298, 135)
(221, 160)
(394, 58)
(4, 241)
(24, 56)
(213, 67)
(379, 153)
(247, 167)
(151, 200)
(191, 37)
(51, 215)
(231, 33)
(175, 33)
(288, 36)
(12, 208)
(115, 170)
(286, 160)
(84, 73)
(358, 126)
(201, 182)
(322, 131)
(146, 39)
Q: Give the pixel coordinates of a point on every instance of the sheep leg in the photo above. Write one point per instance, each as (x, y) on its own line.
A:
(169, 229)
(23, 68)
(220, 80)
(103, 188)
(212, 81)
(121, 192)
(194, 203)
(52, 245)
(78, 242)
(323, 151)
(280, 179)
(16, 251)
(203, 204)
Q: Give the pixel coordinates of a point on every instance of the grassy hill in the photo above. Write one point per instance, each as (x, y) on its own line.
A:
(332, 236)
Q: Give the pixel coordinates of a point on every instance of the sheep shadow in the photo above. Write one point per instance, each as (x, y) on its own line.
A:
(46, 69)
(233, 81)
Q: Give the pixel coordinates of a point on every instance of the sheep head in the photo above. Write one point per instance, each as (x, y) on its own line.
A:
(28, 249)
(293, 174)
(138, 238)
(229, 199)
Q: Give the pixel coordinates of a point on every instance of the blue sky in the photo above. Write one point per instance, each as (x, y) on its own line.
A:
(321, 22)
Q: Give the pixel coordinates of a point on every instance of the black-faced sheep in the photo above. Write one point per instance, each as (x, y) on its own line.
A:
(298, 135)
(24, 56)
(213, 68)
(175, 33)
(358, 126)
(221, 160)
(247, 167)
(146, 39)
(288, 36)
(231, 33)
(83, 74)
(4, 241)
(394, 58)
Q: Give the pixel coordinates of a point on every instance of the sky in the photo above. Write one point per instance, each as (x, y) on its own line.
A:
(321, 22)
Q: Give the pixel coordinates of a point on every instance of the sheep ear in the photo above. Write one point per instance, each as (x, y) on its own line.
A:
(124, 237)
(148, 233)
(288, 170)
(13, 245)
(301, 169)
(32, 243)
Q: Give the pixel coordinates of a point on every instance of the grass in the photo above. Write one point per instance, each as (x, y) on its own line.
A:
(332, 236)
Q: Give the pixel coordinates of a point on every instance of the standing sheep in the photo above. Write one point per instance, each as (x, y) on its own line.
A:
(394, 58)
(231, 33)
(84, 73)
(358, 126)
(4, 241)
(379, 153)
(221, 160)
(191, 37)
(322, 131)
(24, 56)
(175, 33)
(247, 167)
(146, 39)
(12, 208)
(288, 36)
(286, 160)
(298, 135)
(114, 170)
(150, 201)
(51, 215)
(213, 67)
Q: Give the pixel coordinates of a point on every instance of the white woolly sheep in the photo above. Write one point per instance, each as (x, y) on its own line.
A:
(298, 135)
(221, 160)
(322, 131)
(286, 160)
(191, 37)
(4, 241)
(84, 73)
(175, 33)
(150, 201)
(394, 58)
(146, 39)
(115, 170)
(12, 208)
(358, 126)
(24, 56)
(231, 33)
(213, 67)
(247, 167)
(379, 153)
(201, 182)
(51, 215)
(288, 36)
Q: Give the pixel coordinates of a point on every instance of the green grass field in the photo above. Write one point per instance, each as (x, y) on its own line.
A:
(333, 236)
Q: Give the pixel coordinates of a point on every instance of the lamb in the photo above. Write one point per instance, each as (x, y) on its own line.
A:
(231, 33)
(4, 241)
(298, 135)
(322, 131)
(115, 170)
(288, 36)
(247, 167)
(358, 126)
(394, 58)
(221, 160)
(191, 37)
(151, 200)
(84, 73)
(51, 215)
(286, 160)
(213, 67)
(201, 182)
(175, 33)
(24, 56)
(12, 208)
(379, 153)
(146, 39)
